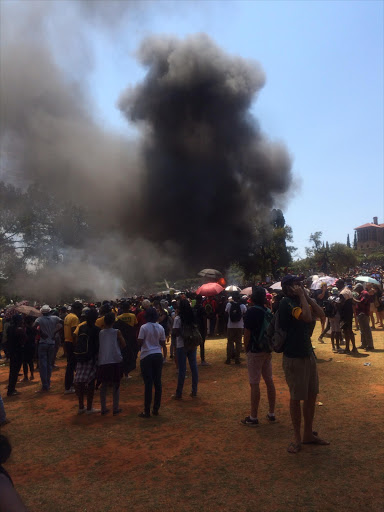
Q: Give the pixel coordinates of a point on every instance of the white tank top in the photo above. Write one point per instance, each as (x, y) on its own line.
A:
(109, 348)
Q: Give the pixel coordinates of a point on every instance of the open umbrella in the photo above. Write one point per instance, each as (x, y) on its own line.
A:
(328, 280)
(210, 272)
(232, 288)
(276, 286)
(247, 291)
(367, 279)
(28, 310)
(209, 289)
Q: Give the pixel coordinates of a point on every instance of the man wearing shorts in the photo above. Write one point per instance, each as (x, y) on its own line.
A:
(259, 357)
(299, 363)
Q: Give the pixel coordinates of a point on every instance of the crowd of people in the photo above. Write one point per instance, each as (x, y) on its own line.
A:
(103, 341)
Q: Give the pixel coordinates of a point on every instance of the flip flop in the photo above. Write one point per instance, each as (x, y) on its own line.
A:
(294, 447)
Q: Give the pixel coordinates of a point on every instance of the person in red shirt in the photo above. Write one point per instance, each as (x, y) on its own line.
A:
(141, 316)
(363, 303)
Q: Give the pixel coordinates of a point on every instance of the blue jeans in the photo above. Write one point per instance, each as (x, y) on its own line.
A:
(46, 354)
(3, 416)
(182, 360)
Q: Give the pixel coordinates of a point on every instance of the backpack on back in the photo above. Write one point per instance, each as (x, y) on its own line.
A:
(191, 336)
(235, 313)
(329, 308)
(263, 342)
(276, 334)
(208, 309)
(82, 349)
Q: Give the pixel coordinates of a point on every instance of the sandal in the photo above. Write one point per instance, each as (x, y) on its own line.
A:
(294, 447)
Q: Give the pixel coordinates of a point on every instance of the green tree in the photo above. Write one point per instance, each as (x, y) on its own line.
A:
(348, 241)
(342, 257)
(34, 227)
(355, 241)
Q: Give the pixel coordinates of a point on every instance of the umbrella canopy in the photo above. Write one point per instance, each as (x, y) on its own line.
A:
(210, 272)
(328, 280)
(232, 288)
(367, 279)
(28, 310)
(209, 289)
(247, 291)
(276, 286)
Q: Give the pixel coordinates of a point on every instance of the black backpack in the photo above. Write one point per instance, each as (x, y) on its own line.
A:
(235, 313)
(83, 347)
(329, 308)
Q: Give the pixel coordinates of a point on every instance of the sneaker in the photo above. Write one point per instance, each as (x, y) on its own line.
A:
(271, 418)
(42, 390)
(117, 411)
(193, 394)
(81, 411)
(13, 393)
(155, 412)
(92, 411)
(69, 391)
(248, 422)
(204, 363)
(106, 411)
(144, 415)
(176, 397)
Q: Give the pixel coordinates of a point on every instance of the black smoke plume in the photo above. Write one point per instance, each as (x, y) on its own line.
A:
(209, 176)
(192, 191)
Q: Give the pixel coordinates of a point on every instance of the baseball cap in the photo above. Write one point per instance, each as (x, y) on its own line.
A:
(290, 279)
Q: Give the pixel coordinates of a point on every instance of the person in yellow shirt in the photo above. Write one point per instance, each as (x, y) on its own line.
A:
(71, 321)
(105, 308)
(126, 323)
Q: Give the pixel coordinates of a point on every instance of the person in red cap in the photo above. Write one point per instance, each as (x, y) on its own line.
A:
(296, 312)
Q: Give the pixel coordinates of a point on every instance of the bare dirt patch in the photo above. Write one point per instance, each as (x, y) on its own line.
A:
(196, 456)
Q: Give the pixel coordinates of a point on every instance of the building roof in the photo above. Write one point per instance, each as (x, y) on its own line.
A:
(370, 225)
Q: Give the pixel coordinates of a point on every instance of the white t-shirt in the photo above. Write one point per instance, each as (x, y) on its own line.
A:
(240, 323)
(151, 334)
(177, 325)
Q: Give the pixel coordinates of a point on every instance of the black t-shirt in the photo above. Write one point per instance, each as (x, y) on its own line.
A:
(253, 320)
(298, 340)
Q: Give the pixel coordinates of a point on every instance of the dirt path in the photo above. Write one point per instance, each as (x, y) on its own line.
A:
(196, 456)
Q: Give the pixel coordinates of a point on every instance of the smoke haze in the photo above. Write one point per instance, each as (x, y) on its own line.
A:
(191, 191)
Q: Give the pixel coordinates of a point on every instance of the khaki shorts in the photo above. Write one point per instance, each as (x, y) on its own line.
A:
(301, 376)
(259, 364)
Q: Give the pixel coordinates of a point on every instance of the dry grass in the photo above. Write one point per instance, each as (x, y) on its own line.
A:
(196, 456)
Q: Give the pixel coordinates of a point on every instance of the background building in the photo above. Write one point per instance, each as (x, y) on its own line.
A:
(371, 235)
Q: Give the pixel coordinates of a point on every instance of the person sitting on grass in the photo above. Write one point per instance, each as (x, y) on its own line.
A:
(259, 357)
(10, 501)
(151, 340)
(110, 370)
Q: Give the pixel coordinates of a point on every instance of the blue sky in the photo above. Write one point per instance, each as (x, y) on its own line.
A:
(323, 96)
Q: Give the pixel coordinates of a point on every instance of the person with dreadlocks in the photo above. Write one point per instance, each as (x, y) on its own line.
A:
(184, 318)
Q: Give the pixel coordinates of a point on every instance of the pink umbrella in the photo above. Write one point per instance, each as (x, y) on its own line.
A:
(209, 289)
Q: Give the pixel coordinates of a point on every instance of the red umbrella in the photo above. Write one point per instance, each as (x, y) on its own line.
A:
(209, 289)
